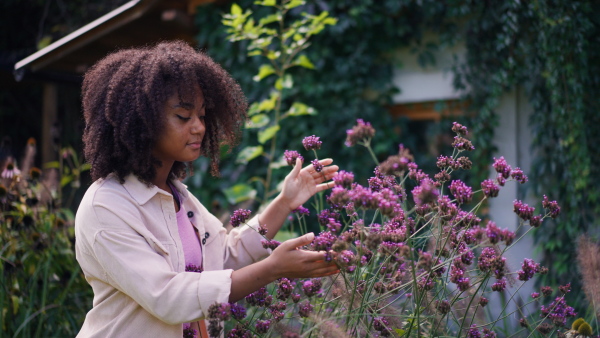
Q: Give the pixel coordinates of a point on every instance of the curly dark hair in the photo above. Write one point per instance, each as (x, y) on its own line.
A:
(123, 101)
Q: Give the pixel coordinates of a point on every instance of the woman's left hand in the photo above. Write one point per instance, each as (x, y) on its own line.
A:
(301, 183)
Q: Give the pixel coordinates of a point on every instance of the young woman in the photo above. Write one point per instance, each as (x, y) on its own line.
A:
(154, 256)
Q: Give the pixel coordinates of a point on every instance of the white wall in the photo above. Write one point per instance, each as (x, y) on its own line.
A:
(512, 138)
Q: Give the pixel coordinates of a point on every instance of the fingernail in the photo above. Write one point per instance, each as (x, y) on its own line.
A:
(310, 236)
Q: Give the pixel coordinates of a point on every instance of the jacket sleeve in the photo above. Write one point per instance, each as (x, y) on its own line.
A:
(243, 245)
(132, 266)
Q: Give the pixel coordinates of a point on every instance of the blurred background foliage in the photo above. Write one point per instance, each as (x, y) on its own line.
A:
(548, 48)
(551, 49)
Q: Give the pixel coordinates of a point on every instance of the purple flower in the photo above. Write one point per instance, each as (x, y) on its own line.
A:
(239, 216)
(338, 198)
(414, 173)
(483, 301)
(343, 179)
(363, 198)
(502, 167)
(536, 221)
(461, 191)
(564, 289)
(290, 157)
(552, 207)
(487, 259)
(237, 311)
(523, 210)
(518, 175)
(500, 285)
(459, 129)
(317, 165)
(188, 332)
(394, 164)
(473, 332)
(462, 143)
(360, 132)
(345, 258)
(324, 241)
(546, 291)
(239, 331)
(444, 162)
(262, 229)
(558, 311)
(490, 189)
(535, 295)
(443, 306)
(262, 326)
(259, 298)
(312, 142)
(528, 269)
(425, 193)
(493, 232)
(193, 268)
(381, 324)
(270, 244)
(305, 308)
(284, 289)
(219, 311)
(296, 298)
(301, 211)
(311, 287)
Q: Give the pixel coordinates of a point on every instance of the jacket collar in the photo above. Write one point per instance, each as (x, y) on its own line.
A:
(142, 193)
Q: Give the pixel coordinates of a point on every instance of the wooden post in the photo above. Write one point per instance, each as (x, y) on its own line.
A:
(49, 118)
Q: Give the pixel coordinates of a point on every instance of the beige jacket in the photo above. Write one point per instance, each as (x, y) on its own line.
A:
(129, 249)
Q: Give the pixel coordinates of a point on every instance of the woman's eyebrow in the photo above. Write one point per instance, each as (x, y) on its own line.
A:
(184, 105)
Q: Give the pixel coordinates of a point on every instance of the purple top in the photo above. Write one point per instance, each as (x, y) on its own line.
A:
(192, 250)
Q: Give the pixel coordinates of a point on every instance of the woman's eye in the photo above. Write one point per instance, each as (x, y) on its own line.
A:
(183, 117)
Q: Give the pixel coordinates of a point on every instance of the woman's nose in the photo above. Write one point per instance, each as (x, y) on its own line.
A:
(198, 126)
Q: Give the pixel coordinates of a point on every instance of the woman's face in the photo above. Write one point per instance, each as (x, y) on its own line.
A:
(183, 130)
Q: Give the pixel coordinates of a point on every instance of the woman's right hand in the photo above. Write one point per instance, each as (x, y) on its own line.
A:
(289, 261)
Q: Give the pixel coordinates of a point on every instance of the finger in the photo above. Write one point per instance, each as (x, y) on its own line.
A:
(298, 241)
(297, 167)
(325, 186)
(326, 161)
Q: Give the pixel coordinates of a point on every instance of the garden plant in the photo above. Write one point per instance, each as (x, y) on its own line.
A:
(416, 262)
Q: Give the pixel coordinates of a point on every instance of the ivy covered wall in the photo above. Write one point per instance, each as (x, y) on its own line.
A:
(549, 48)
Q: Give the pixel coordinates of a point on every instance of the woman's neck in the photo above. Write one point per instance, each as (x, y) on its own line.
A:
(161, 177)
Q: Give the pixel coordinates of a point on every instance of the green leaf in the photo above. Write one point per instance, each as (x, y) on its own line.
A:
(248, 154)
(52, 165)
(400, 332)
(299, 109)
(236, 9)
(294, 3)
(303, 61)
(265, 3)
(267, 134)
(269, 19)
(258, 121)
(268, 104)
(65, 180)
(85, 167)
(264, 71)
(239, 193)
(285, 82)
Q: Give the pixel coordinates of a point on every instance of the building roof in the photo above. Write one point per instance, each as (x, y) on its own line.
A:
(135, 23)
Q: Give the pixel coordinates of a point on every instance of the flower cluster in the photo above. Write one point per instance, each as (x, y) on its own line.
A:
(421, 252)
(312, 142)
(290, 156)
(359, 133)
(239, 216)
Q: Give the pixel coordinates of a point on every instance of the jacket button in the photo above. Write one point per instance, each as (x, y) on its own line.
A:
(190, 214)
(203, 241)
(206, 235)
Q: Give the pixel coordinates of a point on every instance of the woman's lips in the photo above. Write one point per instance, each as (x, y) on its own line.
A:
(195, 145)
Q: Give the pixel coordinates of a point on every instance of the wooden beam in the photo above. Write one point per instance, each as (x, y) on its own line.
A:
(49, 119)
